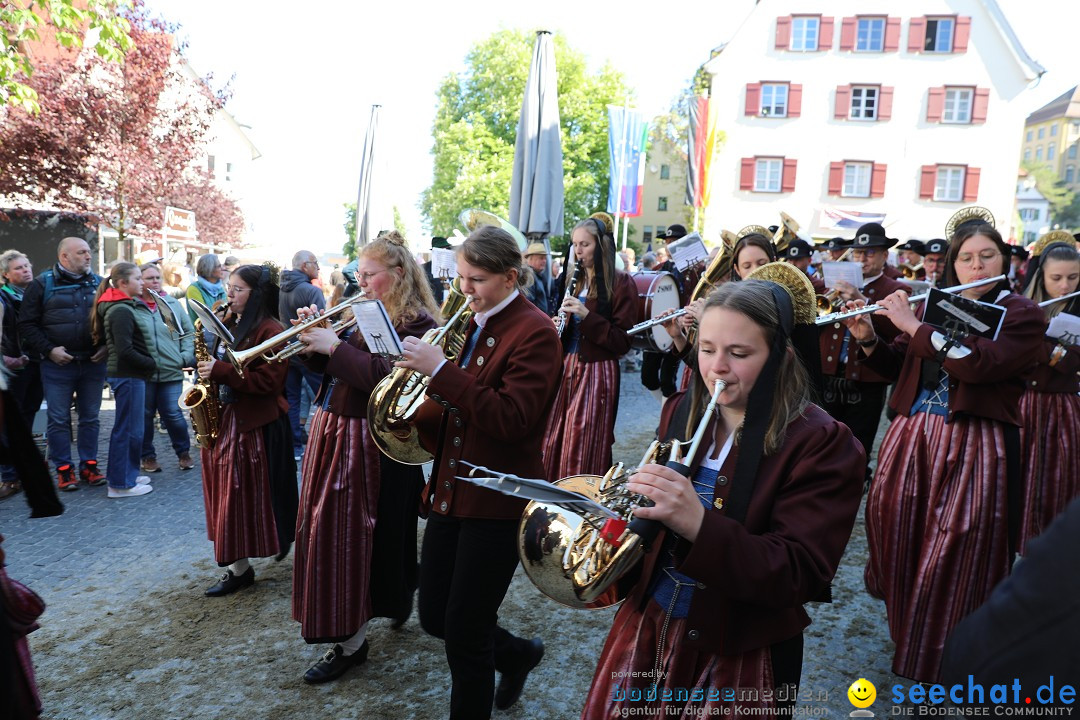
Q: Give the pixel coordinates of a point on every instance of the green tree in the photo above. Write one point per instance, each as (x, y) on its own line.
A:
(1053, 189)
(24, 23)
(399, 224)
(476, 127)
(349, 248)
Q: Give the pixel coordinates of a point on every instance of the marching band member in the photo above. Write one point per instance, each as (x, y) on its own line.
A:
(938, 520)
(910, 254)
(751, 252)
(933, 268)
(799, 253)
(356, 529)
(1018, 268)
(855, 394)
(718, 602)
(1050, 406)
(834, 248)
(489, 410)
(249, 476)
(581, 427)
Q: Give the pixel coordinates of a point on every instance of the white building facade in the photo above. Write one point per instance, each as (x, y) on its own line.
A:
(1033, 209)
(909, 110)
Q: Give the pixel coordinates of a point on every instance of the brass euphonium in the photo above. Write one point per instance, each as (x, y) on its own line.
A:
(578, 559)
(202, 398)
(395, 400)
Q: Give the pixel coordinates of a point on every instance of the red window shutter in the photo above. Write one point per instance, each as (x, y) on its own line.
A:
(787, 184)
(836, 178)
(753, 98)
(935, 104)
(843, 102)
(961, 34)
(825, 33)
(847, 34)
(927, 181)
(746, 174)
(885, 94)
(783, 32)
(794, 108)
(971, 184)
(877, 180)
(916, 35)
(892, 34)
(979, 105)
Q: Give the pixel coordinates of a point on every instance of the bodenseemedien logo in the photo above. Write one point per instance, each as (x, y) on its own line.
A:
(862, 694)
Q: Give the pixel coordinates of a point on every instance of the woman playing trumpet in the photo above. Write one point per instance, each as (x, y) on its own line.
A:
(940, 528)
(1050, 406)
(755, 532)
(249, 476)
(581, 428)
(356, 529)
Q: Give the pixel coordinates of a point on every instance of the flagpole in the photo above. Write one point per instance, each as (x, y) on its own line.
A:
(622, 168)
(625, 229)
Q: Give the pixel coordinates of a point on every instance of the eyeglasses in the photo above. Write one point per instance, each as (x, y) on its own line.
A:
(985, 257)
(368, 275)
(236, 288)
(859, 254)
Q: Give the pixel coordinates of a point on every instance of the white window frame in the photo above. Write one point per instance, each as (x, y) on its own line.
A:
(1070, 173)
(857, 177)
(950, 37)
(1053, 131)
(661, 204)
(805, 33)
(770, 107)
(768, 175)
(957, 106)
(1042, 133)
(1027, 155)
(665, 172)
(1038, 154)
(871, 29)
(863, 96)
(1051, 152)
(949, 183)
(1028, 136)
(1072, 152)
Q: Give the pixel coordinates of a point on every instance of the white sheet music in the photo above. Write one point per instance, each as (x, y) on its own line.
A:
(688, 251)
(373, 321)
(850, 272)
(443, 263)
(1065, 328)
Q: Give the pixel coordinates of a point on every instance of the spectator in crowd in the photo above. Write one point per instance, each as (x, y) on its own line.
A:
(648, 261)
(54, 323)
(435, 283)
(172, 281)
(170, 339)
(231, 263)
(208, 287)
(130, 364)
(24, 383)
(297, 291)
(538, 293)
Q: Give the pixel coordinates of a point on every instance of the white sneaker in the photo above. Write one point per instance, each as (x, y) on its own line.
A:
(130, 492)
(142, 480)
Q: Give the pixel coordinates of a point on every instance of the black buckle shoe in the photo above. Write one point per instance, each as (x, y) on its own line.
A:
(333, 664)
(511, 684)
(230, 583)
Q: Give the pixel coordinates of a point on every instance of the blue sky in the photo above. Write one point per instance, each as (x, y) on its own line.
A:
(307, 75)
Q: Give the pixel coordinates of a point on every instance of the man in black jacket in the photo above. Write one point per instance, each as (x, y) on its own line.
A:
(297, 292)
(54, 323)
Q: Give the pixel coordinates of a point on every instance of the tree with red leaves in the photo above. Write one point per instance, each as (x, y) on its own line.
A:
(118, 141)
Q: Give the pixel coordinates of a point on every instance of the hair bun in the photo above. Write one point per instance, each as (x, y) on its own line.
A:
(394, 238)
(607, 220)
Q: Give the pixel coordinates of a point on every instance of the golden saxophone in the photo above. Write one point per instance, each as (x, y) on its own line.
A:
(202, 398)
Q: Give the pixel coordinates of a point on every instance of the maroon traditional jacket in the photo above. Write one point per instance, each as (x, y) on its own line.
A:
(603, 339)
(492, 413)
(892, 272)
(260, 393)
(987, 383)
(754, 577)
(1061, 378)
(356, 370)
(832, 338)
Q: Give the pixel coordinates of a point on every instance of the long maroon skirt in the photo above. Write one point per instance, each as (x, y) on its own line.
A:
(624, 676)
(581, 427)
(240, 518)
(334, 529)
(937, 530)
(1051, 459)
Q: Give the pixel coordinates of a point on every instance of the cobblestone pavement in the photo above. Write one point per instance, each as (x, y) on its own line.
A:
(128, 633)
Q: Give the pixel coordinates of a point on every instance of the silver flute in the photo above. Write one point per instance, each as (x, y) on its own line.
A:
(834, 317)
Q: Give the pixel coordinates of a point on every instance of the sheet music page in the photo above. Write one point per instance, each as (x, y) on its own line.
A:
(373, 321)
(1065, 328)
(443, 263)
(850, 272)
(688, 251)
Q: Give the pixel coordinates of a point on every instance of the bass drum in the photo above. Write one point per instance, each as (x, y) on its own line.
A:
(657, 293)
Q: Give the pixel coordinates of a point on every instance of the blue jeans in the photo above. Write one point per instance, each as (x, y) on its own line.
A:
(84, 380)
(298, 374)
(125, 445)
(163, 397)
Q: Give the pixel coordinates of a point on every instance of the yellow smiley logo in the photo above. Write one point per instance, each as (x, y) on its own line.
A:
(862, 693)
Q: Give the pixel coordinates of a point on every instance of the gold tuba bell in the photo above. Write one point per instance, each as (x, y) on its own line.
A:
(395, 400)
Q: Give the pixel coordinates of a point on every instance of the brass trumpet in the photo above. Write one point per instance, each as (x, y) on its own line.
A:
(911, 272)
(829, 302)
(289, 339)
